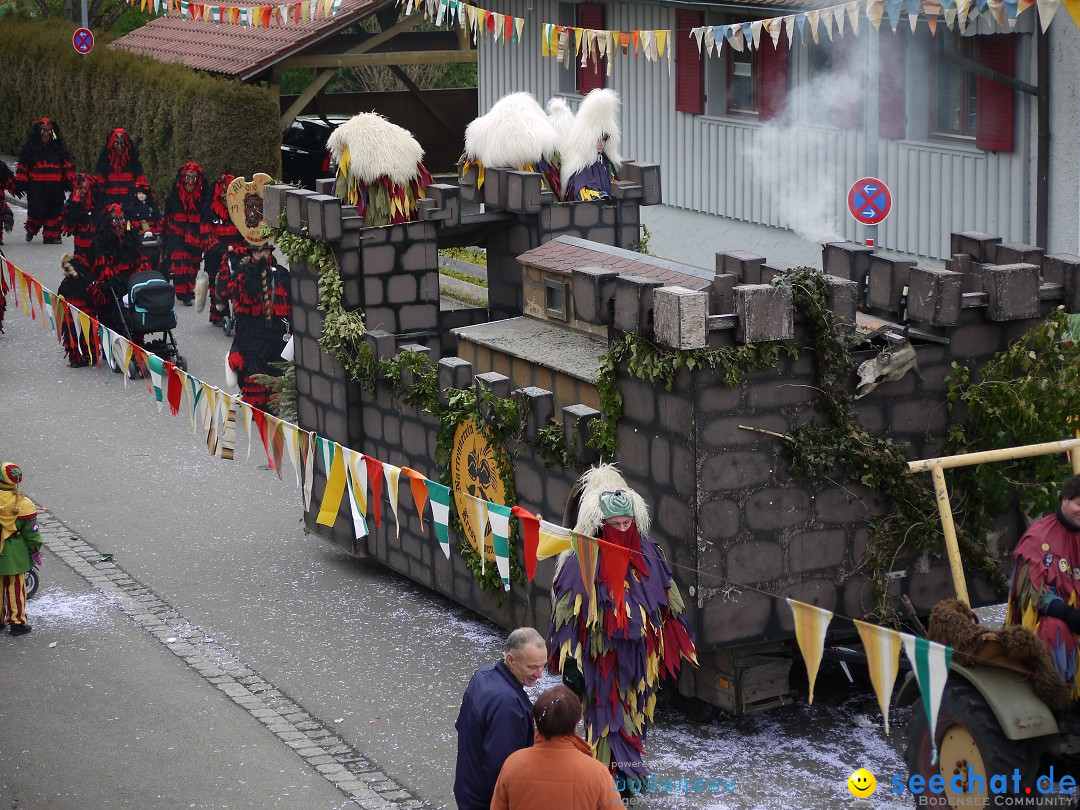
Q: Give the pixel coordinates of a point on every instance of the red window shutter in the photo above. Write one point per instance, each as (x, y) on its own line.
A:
(773, 79)
(994, 103)
(689, 65)
(892, 67)
(590, 77)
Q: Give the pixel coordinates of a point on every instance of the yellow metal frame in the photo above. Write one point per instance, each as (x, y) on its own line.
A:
(937, 467)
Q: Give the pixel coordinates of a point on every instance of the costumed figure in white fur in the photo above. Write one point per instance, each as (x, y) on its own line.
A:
(514, 134)
(561, 117)
(380, 169)
(590, 153)
(616, 648)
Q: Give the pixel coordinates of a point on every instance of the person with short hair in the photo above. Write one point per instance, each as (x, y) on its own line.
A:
(496, 717)
(559, 770)
(1044, 593)
(20, 543)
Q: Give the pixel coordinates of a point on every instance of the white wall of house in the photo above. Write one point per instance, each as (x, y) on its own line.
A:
(737, 184)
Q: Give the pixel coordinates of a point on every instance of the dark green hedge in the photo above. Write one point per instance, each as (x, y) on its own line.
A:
(173, 114)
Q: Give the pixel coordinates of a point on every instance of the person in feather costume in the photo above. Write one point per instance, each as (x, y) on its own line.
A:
(1044, 594)
(590, 151)
(380, 169)
(514, 134)
(616, 648)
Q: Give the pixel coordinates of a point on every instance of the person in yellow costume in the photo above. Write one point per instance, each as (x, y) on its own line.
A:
(19, 544)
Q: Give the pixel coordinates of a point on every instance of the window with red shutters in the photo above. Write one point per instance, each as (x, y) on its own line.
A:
(773, 79)
(689, 65)
(892, 66)
(994, 102)
(591, 76)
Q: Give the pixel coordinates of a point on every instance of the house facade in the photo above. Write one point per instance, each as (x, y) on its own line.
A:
(758, 148)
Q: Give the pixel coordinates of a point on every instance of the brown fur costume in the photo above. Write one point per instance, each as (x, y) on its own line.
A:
(953, 623)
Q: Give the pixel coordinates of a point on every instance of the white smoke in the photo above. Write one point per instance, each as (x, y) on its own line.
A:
(808, 195)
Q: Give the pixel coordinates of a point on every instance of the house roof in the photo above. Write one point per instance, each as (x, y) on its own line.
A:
(565, 253)
(233, 50)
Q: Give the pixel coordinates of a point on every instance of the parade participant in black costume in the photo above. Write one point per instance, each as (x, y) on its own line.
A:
(7, 183)
(81, 213)
(76, 289)
(182, 248)
(117, 255)
(119, 169)
(142, 211)
(45, 172)
(261, 299)
(218, 235)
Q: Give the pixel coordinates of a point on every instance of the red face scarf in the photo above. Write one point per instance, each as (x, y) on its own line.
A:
(618, 551)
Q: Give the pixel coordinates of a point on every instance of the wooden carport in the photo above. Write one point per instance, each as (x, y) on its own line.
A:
(259, 55)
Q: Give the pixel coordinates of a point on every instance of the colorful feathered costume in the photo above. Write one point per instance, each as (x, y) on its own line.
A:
(1047, 570)
(590, 153)
(218, 235)
(636, 637)
(119, 169)
(380, 169)
(182, 250)
(514, 134)
(45, 172)
(81, 213)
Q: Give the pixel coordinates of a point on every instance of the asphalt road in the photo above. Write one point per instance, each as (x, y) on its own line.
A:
(365, 655)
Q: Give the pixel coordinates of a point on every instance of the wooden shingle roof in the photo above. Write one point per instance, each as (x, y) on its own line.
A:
(236, 51)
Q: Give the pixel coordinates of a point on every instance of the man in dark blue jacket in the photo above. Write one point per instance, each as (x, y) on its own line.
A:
(496, 717)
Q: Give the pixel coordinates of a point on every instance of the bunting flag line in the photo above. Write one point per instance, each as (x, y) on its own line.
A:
(588, 556)
(811, 624)
(335, 485)
(392, 475)
(269, 16)
(418, 486)
(552, 539)
(481, 23)
(882, 647)
(308, 451)
(476, 526)
(357, 487)
(375, 479)
(930, 663)
(530, 537)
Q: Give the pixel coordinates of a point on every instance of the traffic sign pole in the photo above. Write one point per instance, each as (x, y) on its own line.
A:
(872, 70)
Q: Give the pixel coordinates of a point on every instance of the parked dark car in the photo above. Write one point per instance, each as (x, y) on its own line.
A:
(304, 157)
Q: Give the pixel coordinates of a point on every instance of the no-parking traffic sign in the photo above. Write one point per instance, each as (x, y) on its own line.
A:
(83, 40)
(869, 200)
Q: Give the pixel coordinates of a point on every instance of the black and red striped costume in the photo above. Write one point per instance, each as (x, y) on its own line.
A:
(116, 256)
(118, 168)
(7, 183)
(45, 172)
(218, 234)
(182, 248)
(81, 213)
(260, 295)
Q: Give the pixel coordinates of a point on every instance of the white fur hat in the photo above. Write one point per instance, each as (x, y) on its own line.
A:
(561, 117)
(514, 132)
(376, 148)
(597, 116)
(596, 481)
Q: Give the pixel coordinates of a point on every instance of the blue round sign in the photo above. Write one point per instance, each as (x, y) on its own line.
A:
(83, 40)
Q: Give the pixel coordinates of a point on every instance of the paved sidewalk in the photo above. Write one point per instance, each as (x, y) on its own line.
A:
(182, 723)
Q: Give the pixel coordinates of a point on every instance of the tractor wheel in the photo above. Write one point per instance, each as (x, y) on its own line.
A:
(968, 737)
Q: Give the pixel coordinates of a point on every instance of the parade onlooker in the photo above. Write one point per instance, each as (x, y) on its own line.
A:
(559, 769)
(218, 234)
(45, 172)
(182, 248)
(144, 215)
(496, 717)
(81, 213)
(19, 548)
(119, 169)
(261, 299)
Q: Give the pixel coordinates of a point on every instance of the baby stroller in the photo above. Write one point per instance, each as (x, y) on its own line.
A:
(148, 308)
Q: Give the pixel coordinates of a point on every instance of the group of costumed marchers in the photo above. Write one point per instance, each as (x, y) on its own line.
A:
(1044, 593)
(45, 173)
(577, 155)
(380, 169)
(616, 649)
